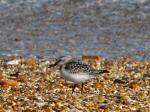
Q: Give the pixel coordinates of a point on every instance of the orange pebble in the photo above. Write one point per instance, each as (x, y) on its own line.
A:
(107, 77)
(96, 58)
(134, 86)
(1, 76)
(8, 82)
(98, 86)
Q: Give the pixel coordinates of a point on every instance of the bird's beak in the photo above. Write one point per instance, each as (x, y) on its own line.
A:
(55, 64)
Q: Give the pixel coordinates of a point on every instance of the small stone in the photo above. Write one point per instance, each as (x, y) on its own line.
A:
(146, 76)
(59, 104)
(14, 62)
(107, 77)
(133, 108)
(134, 85)
(41, 104)
(8, 82)
(98, 86)
(120, 81)
(103, 106)
(52, 104)
(1, 76)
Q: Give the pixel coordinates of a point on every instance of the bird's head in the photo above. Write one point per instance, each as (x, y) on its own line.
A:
(61, 60)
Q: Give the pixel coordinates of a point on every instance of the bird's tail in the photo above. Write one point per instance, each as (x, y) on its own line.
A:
(96, 72)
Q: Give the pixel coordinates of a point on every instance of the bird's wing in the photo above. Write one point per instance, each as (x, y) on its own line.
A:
(77, 66)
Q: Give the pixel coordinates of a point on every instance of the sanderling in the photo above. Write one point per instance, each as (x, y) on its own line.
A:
(76, 71)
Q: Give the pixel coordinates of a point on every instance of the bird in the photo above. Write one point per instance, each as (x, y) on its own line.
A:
(76, 71)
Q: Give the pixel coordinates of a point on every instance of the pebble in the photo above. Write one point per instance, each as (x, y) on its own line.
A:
(33, 92)
(120, 81)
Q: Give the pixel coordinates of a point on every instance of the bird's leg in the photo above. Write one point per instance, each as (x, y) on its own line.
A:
(82, 88)
(73, 88)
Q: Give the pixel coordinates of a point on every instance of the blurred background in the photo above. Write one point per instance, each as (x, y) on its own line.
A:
(110, 28)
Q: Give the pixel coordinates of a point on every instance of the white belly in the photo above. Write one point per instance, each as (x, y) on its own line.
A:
(76, 78)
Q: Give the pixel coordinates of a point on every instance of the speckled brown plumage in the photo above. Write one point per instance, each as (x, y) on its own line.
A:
(78, 66)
